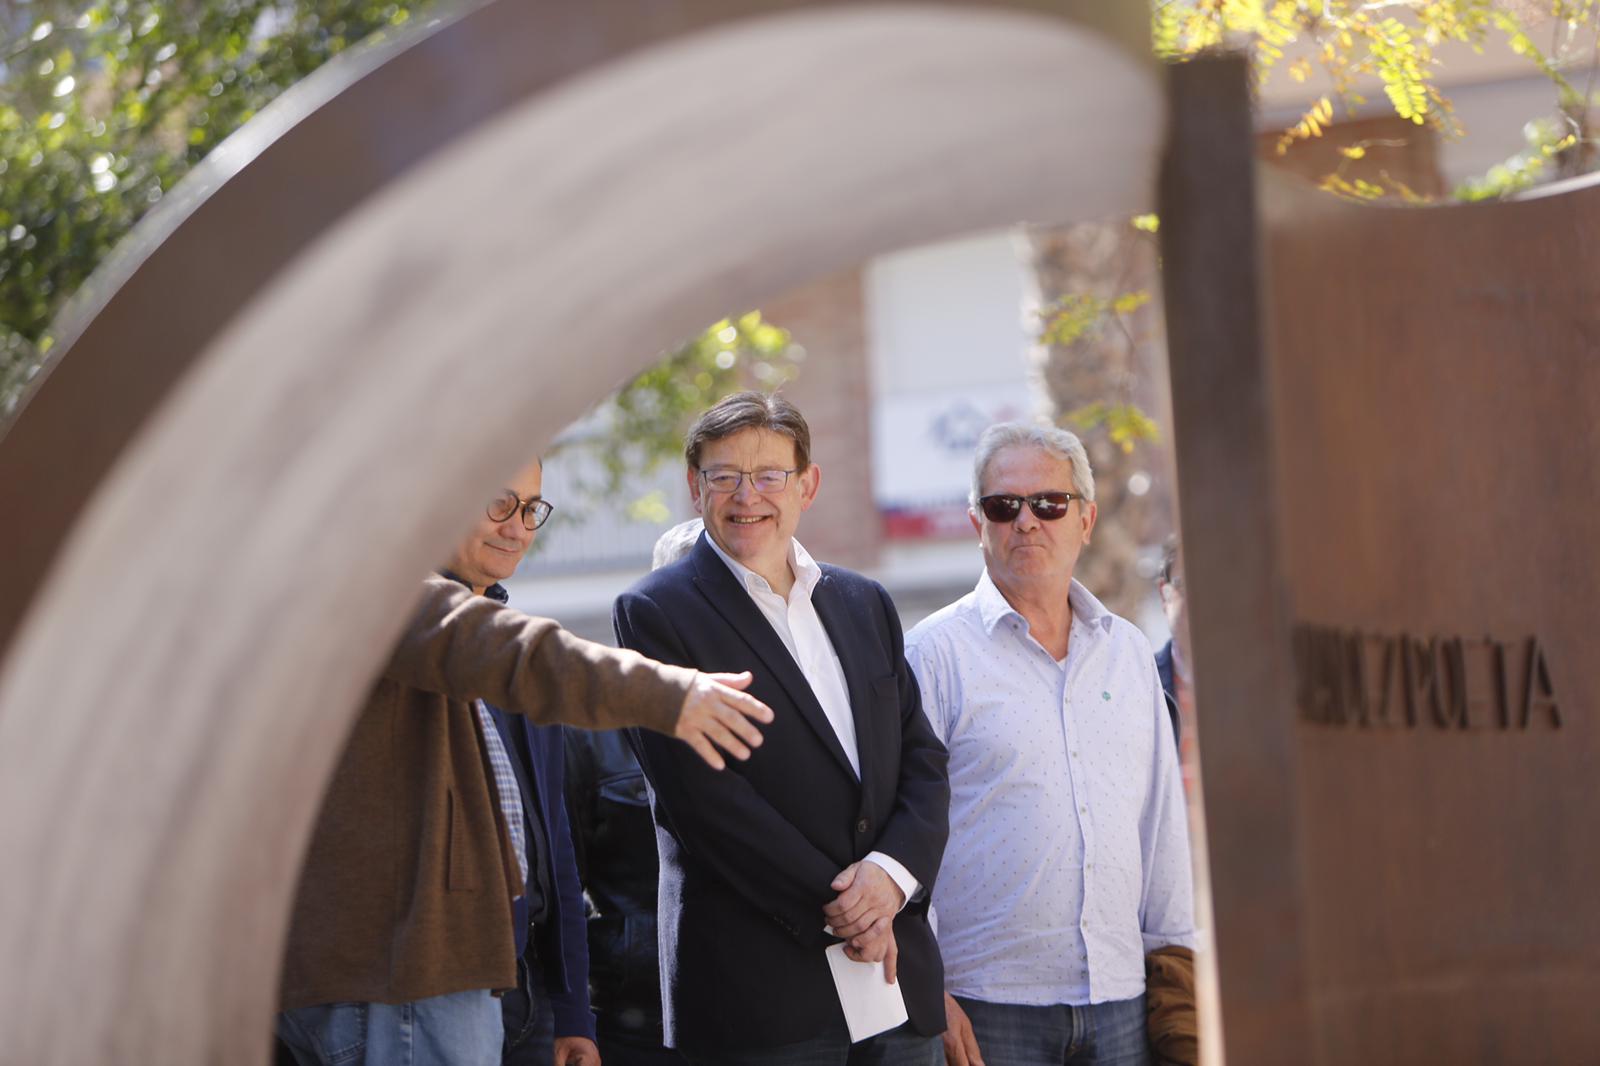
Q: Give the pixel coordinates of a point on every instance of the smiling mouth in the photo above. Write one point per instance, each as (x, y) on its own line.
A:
(747, 520)
(496, 547)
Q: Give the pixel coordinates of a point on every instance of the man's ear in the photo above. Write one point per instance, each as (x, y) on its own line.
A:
(693, 476)
(1090, 513)
(977, 523)
(810, 482)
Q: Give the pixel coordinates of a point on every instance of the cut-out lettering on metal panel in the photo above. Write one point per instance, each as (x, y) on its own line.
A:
(1375, 680)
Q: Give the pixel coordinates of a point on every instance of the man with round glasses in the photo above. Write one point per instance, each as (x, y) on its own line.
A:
(832, 832)
(1068, 860)
(405, 925)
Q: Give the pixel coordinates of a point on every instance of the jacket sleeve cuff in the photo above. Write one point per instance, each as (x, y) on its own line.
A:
(572, 1016)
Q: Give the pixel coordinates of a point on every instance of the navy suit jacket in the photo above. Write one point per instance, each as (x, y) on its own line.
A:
(561, 947)
(748, 853)
(1169, 690)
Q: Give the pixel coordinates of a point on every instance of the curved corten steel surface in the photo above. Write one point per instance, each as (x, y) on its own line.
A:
(380, 297)
(333, 142)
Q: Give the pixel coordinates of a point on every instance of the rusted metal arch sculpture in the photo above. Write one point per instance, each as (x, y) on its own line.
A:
(397, 282)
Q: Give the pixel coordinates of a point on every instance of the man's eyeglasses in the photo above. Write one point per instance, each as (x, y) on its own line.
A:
(534, 511)
(1046, 506)
(767, 481)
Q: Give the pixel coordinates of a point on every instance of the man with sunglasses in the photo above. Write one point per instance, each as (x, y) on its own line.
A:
(1068, 860)
(406, 923)
(838, 824)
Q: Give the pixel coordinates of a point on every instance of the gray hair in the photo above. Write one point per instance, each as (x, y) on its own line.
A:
(675, 543)
(1061, 443)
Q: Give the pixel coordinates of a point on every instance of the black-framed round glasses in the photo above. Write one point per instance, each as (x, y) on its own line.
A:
(1046, 506)
(760, 480)
(534, 511)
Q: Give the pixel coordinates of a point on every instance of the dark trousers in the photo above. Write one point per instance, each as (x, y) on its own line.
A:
(898, 1047)
(625, 1049)
(1100, 1034)
(530, 1024)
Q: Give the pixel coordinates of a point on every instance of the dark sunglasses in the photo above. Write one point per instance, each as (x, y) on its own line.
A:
(1046, 506)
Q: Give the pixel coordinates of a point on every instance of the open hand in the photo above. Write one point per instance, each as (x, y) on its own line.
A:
(716, 715)
(960, 1043)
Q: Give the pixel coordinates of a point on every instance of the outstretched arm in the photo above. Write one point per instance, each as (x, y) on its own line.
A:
(468, 647)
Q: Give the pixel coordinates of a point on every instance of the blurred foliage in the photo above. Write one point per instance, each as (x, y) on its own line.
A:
(1393, 42)
(1546, 140)
(106, 104)
(643, 424)
(1396, 42)
(1078, 315)
(1126, 424)
(1073, 325)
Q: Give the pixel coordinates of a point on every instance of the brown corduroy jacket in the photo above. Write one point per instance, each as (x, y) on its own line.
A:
(1171, 1021)
(408, 881)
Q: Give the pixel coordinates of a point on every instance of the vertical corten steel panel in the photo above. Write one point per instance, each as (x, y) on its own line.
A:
(1436, 377)
(1238, 622)
(1390, 499)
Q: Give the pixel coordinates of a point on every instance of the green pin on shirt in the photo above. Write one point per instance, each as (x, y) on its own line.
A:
(1105, 695)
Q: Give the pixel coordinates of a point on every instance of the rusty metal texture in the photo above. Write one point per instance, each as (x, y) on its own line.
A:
(313, 157)
(1388, 462)
(1228, 502)
(1435, 382)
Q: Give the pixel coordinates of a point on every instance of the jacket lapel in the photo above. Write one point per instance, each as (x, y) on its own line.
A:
(725, 593)
(842, 632)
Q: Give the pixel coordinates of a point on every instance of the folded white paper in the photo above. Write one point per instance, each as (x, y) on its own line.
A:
(871, 1005)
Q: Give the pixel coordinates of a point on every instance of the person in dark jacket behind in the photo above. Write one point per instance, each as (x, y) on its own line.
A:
(1169, 583)
(608, 804)
(547, 1017)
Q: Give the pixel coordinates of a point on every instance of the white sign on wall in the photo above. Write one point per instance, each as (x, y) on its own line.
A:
(922, 449)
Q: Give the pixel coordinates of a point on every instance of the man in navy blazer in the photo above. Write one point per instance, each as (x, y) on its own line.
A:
(838, 825)
(547, 1016)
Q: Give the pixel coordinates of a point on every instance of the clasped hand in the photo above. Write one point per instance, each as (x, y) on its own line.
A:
(863, 914)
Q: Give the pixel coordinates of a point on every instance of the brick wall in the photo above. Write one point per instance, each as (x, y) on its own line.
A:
(833, 391)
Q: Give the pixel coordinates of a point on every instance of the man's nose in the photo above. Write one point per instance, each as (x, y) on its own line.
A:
(513, 529)
(746, 492)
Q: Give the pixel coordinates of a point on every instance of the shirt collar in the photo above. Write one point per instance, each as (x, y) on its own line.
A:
(994, 608)
(496, 592)
(806, 571)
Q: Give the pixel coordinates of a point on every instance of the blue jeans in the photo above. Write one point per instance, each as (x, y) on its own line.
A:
(1101, 1034)
(461, 1029)
(897, 1047)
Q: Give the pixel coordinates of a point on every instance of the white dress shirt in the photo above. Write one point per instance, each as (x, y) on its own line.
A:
(1068, 857)
(797, 625)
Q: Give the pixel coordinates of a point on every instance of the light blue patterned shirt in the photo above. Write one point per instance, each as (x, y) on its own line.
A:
(1068, 857)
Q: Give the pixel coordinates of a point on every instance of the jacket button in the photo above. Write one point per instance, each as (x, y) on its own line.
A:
(862, 826)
